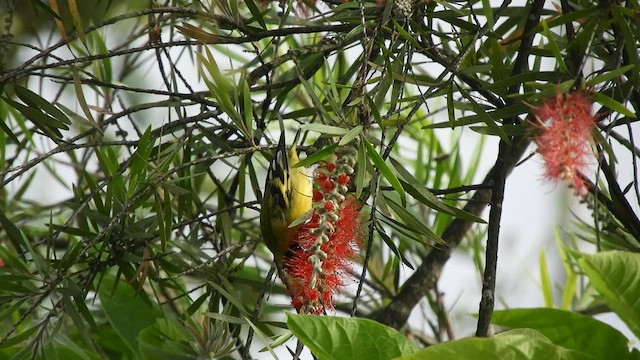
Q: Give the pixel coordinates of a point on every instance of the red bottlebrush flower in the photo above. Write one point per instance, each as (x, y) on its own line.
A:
(327, 243)
(564, 126)
(2, 263)
(312, 289)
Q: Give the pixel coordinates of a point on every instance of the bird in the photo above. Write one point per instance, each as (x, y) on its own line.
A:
(287, 196)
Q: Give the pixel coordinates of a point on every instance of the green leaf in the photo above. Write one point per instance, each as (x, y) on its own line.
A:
(545, 281)
(32, 99)
(247, 107)
(391, 245)
(550, 91)
(317, 156)
(41, 120)
(126, 311)
(501, 113)
(609, 75)
(554, 47)
(450, 105)
(614, 275)
(568, 329)
(19, 337)
(361, 168)
(412, 222)
(403, 33)
(513, 345)
(385, 170)
(105, 70)
(348, 338)
(612, 104)
(511, 130)
(77, 85)
(485, 117)
(548, 76)
(349, 136)
(166, 339)
(424, 196)
(76, 18)
(256, 13)
(14, 234)
(325, 129)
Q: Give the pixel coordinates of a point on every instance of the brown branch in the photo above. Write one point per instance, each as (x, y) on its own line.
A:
(501, 169)
(396, 313)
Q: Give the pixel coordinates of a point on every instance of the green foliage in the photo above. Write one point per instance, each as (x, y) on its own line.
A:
(348, 338)
(612, 275)
(135, 138)
(543, 333)
(515, 344)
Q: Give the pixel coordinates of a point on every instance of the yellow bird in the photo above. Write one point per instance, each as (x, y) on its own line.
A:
(287, 196)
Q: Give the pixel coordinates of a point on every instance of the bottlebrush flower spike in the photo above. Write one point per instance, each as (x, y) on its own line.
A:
(564, 127)
(327, 243)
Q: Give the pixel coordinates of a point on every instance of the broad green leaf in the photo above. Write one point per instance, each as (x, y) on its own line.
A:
(385, 170)
(400, 229)
(513, 345)
(5, 128)
(105, 70)
(126, 311)
(334, 338)
(614, 275)
(568, 329)
(578, 15)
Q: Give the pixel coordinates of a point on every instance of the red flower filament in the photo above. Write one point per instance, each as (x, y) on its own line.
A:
(329, 241)
(564, 125)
